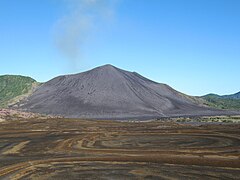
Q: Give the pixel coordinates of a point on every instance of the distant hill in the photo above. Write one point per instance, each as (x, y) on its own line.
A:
(223, 102)
(108, 92)
(14, 88)
(232, 96)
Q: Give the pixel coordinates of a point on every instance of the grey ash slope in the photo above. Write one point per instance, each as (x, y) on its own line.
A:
(107, 92)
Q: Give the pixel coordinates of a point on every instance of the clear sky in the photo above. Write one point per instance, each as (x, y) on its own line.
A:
(192, 45)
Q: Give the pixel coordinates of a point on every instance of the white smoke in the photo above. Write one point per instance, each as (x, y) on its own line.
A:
(74, 29)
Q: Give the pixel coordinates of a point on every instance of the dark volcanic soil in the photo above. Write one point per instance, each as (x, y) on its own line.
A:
(79, 149)
(110, 93)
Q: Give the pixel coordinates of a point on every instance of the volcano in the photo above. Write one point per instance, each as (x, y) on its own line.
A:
(108, 92)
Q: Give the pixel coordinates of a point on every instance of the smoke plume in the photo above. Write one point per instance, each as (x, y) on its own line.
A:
(74, 29)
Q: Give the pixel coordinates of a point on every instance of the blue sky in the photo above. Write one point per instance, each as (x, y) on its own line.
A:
(194, 46)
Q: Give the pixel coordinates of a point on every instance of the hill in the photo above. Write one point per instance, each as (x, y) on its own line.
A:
(232, 96)
(108, 92)
(13, 88)
(223, 102)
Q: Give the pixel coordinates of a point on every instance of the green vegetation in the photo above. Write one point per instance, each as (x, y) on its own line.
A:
(210, 119)
(12, 86)
(222, 102)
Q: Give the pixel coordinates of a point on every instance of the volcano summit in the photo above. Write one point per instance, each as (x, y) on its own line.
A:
(108, 92)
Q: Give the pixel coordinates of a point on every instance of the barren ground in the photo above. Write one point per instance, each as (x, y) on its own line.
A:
(81, 149)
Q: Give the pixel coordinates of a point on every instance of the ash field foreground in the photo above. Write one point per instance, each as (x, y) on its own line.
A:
(82, 149)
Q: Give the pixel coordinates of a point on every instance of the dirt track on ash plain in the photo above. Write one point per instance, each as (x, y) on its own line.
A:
(84, 149)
